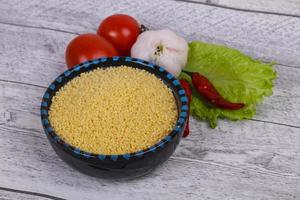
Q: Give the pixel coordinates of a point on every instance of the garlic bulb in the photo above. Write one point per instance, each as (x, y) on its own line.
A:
(162, 47)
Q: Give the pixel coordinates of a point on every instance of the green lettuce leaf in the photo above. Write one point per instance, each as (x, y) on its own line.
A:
(237, 77)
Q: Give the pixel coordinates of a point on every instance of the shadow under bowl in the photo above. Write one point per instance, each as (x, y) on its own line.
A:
(116, 166)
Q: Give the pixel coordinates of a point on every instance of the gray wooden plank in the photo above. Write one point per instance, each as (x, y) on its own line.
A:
(31, 55)
(37, 56)
(244, 160)
(29, 163)
(274, 6)
(246, 144)
(267, 37)
(8, 195)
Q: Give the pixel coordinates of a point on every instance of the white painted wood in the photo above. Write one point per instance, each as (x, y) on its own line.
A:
(37, 56)
(8, 195)
(32, 55)
(35, 167)
(276, 6)
(247, 144)
(238, 160)
(268, 37)
(245, 141)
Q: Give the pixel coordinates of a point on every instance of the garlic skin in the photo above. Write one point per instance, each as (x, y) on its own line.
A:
(162, 47)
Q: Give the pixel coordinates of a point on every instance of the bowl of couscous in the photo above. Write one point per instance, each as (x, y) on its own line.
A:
(114, 117)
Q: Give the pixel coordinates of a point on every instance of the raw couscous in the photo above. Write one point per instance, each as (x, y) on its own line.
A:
(116, 110)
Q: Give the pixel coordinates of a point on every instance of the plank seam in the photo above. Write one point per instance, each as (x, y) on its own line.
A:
(261, 171)
(258, 170)
(31, 193)
(208, 3)
(39, 27)
(21, 129)
(277, 123)
(23, 83)
(257, 120)
(73, 33)
(288, 66)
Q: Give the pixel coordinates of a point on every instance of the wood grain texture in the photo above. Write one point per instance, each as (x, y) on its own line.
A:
(176, 179)
(276, 6)
(250, 143)
(256, 159)
(7, 195)
(244, 160)
(41, 58)
(267, 37)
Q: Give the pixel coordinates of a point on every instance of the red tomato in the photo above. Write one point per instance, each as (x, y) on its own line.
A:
(87, 47)
(121, 30)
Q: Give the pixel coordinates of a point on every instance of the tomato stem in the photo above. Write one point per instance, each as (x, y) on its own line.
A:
(143, 28)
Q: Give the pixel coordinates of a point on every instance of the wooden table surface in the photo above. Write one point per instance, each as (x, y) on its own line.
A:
(247, 160)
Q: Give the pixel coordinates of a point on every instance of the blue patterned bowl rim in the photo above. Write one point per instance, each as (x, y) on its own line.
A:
(166, 75)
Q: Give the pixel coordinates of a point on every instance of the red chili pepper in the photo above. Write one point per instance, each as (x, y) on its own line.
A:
(210, 93)
(188, 93)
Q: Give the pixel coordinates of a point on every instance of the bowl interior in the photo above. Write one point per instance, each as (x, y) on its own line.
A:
(68, 75)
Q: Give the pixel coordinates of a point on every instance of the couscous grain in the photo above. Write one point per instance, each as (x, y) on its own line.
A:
(116, 110)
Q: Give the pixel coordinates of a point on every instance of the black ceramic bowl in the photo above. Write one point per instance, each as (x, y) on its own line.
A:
(116, 166)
